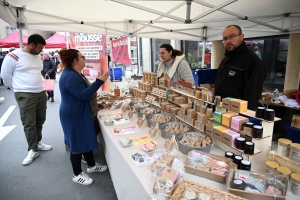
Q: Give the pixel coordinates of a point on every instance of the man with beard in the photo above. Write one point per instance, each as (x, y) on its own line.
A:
(241, 73)
(21, 71)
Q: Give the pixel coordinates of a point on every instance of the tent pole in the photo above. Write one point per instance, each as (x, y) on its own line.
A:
(204, 39)
(19, 26)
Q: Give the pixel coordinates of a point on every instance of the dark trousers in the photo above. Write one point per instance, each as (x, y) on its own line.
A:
(33, 115)
(76, 161)
(50, 94)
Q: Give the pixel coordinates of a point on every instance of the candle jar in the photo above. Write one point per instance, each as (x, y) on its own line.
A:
(259, 113)
(249, 148)
(245, 165)
(239, 143)
(229, 154)
(269, 115)
(257, 131)
(237, 160)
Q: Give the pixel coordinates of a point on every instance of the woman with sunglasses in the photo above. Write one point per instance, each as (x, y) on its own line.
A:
(76, 114)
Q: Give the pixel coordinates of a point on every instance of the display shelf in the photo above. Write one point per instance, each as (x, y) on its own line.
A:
(157, 95)
(225, 147)
(284, 161)
(160, 87)
(251, 113)
(241, 132)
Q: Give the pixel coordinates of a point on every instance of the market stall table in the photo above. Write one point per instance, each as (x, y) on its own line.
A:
(135, 182)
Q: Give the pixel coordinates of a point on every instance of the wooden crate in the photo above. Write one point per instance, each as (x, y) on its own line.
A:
(283, 161)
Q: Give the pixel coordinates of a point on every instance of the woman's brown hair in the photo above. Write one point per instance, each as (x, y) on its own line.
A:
(169, 48)
(67, 56)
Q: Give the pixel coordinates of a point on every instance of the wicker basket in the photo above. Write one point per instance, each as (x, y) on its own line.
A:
(215, 193)
(168, 135)
(141, 114)
(151, 123)
(186, 149)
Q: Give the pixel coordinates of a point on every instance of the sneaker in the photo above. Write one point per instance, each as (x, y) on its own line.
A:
(44, 147)
(83, 159)
(52, 100)
(83, 179)
(30, 157)
(97, 168)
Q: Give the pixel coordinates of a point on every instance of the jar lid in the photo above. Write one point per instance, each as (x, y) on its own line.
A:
(246, 162)
(229, 153)
(238, 181)
(283, 141)
(272, 164)
(284, 170)
(269, 110)
(250, 143)
(240, 139)
(295, 176)
(295, 145)
(261, 108)
(249, 123)
(238, 157)
(258, 127)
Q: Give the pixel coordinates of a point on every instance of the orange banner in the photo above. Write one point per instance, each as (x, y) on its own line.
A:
(93, 47)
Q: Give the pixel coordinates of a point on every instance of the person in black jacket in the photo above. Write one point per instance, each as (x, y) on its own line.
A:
(241, 73)
(49, 69)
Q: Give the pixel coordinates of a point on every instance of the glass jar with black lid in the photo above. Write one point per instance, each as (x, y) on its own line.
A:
(249, 148)
(237, 160)
(245, 165)
(259, 113)
(239, 143)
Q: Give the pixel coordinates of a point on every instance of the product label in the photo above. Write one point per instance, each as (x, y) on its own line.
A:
(295, 156)
(283, 151)
(243, 177)
(295, 188)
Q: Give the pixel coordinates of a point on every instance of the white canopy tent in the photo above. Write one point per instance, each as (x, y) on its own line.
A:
(200, 20)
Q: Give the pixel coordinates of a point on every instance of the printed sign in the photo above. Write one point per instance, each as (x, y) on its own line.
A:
(120, 51)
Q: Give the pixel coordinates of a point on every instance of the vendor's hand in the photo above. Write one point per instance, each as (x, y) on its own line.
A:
(104, 76)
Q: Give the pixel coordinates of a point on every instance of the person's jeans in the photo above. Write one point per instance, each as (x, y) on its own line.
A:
(51, 94)
(33, 115)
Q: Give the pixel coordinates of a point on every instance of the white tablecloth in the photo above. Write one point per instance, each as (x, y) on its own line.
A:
(133, 182)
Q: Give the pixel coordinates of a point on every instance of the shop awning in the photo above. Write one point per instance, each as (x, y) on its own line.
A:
(56, 41)
(12, 40)
(179, 19)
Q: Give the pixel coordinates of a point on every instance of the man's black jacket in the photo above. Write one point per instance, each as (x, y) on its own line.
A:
(241, 75)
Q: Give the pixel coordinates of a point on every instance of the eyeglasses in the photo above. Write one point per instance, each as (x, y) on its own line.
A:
(230, 37)
(82, 57)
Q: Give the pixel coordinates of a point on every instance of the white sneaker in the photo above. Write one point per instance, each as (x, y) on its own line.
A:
(83, 179)
(97, 168)
(30, 157)
(44, 147)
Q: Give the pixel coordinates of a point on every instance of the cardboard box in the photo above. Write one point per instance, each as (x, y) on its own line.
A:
(258, 196)
(218, 115)
(163, 80)
(191, 113)
(239, 106)
(226, 118)
(226, 102)
(247, 130)
(206, 174)
(202, 128)
(218, 132)
(202, 118)
(229, 137)
(296, 121)
(192, 121)
(174, 110)
(171, 96)
(237, 122)
(209, 131)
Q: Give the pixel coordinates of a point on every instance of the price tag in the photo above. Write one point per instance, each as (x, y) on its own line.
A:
(141, 122)
(153, 130)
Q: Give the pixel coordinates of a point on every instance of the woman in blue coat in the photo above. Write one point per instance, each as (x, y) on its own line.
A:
(76, 115)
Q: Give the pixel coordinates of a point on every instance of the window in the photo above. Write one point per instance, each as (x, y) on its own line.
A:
(273, 53)
(10, 30)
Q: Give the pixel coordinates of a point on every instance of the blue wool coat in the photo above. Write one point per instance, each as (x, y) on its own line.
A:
(75, 111)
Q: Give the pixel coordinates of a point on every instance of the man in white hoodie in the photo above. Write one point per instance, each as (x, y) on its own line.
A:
(21, 71)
